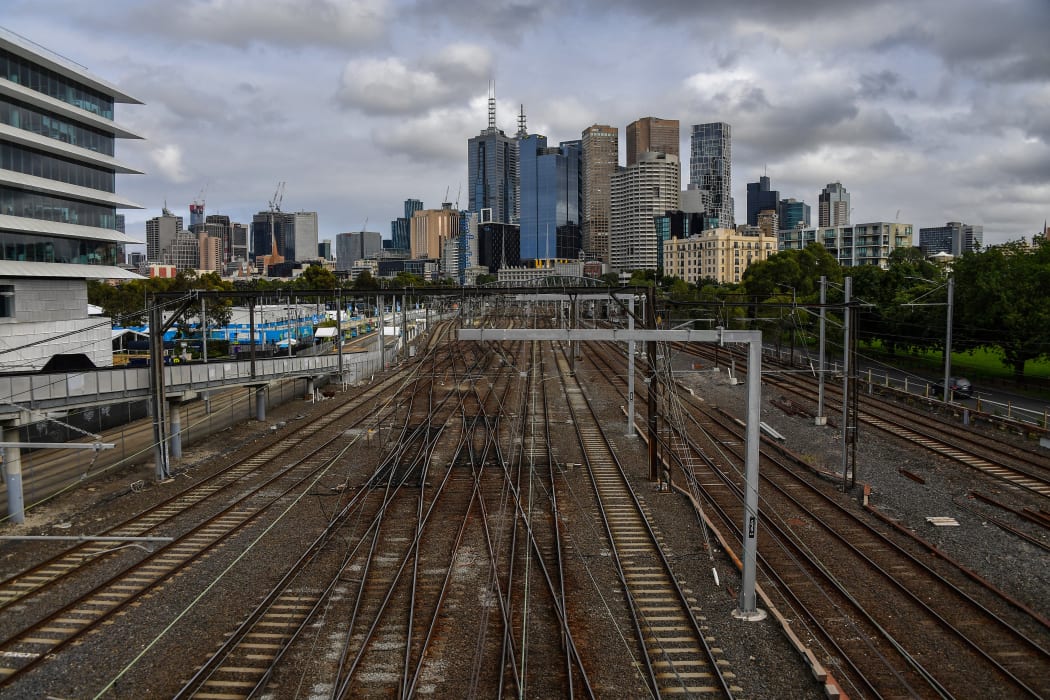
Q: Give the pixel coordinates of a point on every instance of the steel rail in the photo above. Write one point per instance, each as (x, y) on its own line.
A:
(701, 638)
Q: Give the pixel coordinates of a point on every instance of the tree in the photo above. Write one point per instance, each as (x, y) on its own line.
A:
(316, 277)
(1001, 301)
(365, 282)
(407, 279)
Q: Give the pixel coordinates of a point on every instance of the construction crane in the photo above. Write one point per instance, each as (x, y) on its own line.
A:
(275, 208)
(278, 195)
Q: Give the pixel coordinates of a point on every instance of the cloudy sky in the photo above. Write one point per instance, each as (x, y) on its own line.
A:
(926, 110)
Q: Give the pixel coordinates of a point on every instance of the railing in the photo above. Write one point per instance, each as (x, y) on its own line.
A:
(924, 389)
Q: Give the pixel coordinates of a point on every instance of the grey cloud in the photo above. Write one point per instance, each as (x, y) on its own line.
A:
(885, 83)
(509, 18)
(392, 86)
(243, 23)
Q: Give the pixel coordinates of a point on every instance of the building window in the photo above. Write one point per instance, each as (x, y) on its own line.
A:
(7, 301)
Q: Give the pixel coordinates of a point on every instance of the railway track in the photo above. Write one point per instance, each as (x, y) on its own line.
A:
(676, 653)
(987, 453)
(810, 536)
(156, 518)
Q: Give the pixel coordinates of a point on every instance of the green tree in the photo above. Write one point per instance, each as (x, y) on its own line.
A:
(1001, 301)
(316, 277)
(407, 279)
(365, 282)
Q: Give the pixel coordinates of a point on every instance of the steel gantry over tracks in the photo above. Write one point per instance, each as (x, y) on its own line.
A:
(747, 606)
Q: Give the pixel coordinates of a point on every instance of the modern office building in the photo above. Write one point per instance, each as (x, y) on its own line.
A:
(710, 168)
(833, 206)
(550, 199)
(760, 198)
(304, 238)
(793, 213)
(499, 246)
(354, 246)
(58, 205)
(640, 193)
(160, 235)
(197, 218)
(492, 170)
(852, 246)
(651, 134)
(430, 229)
(209, 253)
(239, 243)
(401, 227)
(719, 254)
(600, 157)
(324, 250)
(954, 238)
(185, 252)
(271, 225)
(218, 225)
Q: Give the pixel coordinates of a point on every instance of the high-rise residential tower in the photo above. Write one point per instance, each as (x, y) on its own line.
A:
(492, 169)
(651, 134)
(833, 206)
(550, 199)
(759, 199)
(600, 153)
(710, 168)
(640, 193)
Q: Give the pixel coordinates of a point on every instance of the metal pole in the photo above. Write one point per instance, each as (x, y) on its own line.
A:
(204, 331)
(748, 609)
(11, 459)
(339, 331)
(295, 305)
(158, 405)
(948, 339)
(251, 333)
(654, 384)
(630, 369)
(845, 381)
(379, 325)
(404, 326)
(822, 419)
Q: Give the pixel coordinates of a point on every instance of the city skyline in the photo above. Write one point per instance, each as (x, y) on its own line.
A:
(934, 113)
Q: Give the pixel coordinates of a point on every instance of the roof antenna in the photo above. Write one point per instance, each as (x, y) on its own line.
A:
(522, 131)
(492, 105)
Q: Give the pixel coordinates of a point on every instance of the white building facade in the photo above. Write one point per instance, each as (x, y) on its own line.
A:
(639, 192)
(58, 205)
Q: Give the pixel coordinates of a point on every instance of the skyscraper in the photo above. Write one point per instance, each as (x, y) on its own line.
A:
(600, 153)
(160, 235)
(356, 245)
(651, 134)
(401, 227)
(760, 198)
(834, 206)
(492, 167)
(793, 212)
(640, 193)
(710, 168)
(304, 237)
(550, 199)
